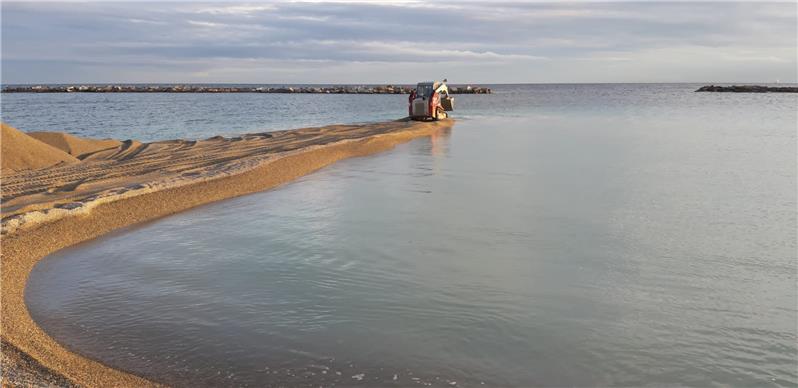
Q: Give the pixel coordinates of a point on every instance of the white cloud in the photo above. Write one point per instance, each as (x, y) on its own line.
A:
(204, 24)
(144, 21)
(432, 50)
(245, 10)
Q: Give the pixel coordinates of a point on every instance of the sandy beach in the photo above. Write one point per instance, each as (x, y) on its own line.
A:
(59, 190)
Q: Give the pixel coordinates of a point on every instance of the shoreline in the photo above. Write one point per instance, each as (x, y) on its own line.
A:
(24, 244)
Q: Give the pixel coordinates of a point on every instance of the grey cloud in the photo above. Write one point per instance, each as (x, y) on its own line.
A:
(508, 41)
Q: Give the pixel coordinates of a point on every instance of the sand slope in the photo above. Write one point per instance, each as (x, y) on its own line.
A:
(18, 151)
(21, 370)
(49, 209)
(73, 145)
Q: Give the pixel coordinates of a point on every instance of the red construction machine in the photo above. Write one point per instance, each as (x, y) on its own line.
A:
(430, 100)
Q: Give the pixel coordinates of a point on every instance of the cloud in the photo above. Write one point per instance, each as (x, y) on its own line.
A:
(245, 10)
(144, 21)
(205, 24)
(394, 41)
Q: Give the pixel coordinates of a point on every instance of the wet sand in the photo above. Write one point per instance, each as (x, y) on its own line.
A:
(112, 185)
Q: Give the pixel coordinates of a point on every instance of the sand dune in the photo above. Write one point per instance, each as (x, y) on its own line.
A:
(51, 208)
(73, 145)
(18, 151)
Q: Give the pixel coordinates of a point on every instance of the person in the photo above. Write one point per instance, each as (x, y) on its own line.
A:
(410, 102)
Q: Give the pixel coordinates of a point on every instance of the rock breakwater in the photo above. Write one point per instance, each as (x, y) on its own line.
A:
(338, 89)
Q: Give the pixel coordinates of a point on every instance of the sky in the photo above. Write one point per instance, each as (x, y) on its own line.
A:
(397, 42)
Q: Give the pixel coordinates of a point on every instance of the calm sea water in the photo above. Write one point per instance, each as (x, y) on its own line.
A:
(558, 235)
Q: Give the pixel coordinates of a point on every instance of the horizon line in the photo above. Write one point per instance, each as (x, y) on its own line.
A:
(396, 83)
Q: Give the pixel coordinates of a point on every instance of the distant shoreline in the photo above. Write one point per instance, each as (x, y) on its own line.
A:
(182, 88)
(748, 89)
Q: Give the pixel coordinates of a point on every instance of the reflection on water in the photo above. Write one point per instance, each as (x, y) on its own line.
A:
(438, 142)
(537, 250)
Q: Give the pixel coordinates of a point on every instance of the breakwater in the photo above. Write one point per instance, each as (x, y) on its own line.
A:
(748, 89)
(338, 89)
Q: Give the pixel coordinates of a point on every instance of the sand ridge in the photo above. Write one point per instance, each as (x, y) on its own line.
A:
(53, 208)
(133, 167)
(73, 145)
(18, 151)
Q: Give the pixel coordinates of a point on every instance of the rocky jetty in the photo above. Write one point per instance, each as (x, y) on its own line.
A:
(382, 89)
(748, 89)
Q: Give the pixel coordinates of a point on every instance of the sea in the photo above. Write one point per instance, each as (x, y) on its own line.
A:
(556, 235)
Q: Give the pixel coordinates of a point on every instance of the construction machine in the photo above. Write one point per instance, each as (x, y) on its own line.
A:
(430, 101)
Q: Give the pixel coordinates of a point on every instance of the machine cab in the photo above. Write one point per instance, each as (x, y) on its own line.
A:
(425, 89)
